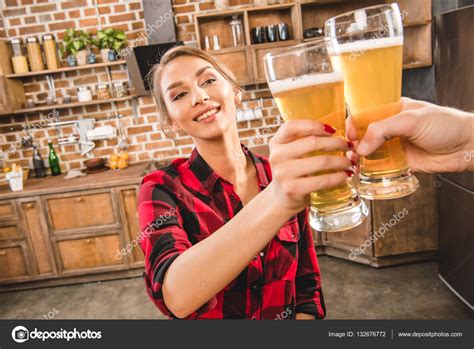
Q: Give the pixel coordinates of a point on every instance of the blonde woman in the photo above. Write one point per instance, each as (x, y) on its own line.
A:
(226, 232)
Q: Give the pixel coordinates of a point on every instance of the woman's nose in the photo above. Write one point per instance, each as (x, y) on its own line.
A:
(199, 96)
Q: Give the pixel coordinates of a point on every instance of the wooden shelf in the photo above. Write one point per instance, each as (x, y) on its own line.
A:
(418, 65)
(65, 69)
(70, 105)
(275, 44)
(228, 50)
(416, 23)
(299, 15)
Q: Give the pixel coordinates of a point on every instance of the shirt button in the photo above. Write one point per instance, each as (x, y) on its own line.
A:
(254, 318)
(293, 236)
(262, 254)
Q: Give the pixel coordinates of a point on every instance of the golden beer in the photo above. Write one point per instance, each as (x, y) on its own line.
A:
(317, 97)
(373, 75)
(367, 46)
(305, 85)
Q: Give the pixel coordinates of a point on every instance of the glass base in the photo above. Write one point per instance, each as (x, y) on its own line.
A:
(343, 219)
(388, 187)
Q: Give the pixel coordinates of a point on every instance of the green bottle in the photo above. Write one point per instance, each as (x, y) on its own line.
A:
(53, 161)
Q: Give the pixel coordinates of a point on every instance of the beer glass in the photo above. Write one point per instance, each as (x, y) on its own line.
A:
(305, 86)
(367, 46)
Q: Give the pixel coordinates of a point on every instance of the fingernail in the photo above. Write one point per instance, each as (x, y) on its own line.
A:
(363, 148)
(354, 164)
(329, 129)
(350, 145)
(349, 173)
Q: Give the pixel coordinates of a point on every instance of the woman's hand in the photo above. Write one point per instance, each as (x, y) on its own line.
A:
(436, 138)
(292, 172)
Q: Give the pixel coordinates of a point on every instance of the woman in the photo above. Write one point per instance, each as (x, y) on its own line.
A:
(227, 236)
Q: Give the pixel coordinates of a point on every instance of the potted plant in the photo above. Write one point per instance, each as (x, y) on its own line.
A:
(76, 44)
(110, 41)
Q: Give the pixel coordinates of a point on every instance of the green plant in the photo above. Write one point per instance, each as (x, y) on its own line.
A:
(75, 41)
(112, 39)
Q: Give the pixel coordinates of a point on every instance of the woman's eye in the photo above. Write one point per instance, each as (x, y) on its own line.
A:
(209, 81)
(179, 96)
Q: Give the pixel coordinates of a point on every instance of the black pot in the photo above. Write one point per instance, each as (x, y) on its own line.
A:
(283, 32)
(259, 35)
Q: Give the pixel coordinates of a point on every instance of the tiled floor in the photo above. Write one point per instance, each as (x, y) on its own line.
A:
(351, 291)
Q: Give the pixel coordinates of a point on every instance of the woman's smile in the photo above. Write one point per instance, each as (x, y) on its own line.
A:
(209, 114)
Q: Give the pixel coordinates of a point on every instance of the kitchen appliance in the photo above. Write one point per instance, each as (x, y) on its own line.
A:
(141, 59)
(454, 52)
(87, 134)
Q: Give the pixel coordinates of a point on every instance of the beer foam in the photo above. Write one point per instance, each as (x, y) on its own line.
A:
(304, 81)
(365, 45)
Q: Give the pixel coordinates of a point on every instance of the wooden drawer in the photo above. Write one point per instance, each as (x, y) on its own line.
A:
(81, 211)
(10, 232)
(88, 253)
(12, 263)
(8, 211)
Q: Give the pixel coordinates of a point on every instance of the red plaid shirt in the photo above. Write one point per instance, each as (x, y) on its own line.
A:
(187, 201)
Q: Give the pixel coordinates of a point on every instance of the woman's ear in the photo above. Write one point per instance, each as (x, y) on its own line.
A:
(238, 97)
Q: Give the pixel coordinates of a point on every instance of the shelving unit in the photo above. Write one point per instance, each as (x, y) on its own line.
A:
(72, 105)
(246, 61)
(65, 69)
(41, 108)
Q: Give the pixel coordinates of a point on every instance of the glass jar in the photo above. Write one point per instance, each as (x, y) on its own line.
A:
(102, 90)
(51, 52)
(237, 31)
(84, 94)
(119, 89)
(34, 53)
(19, 61)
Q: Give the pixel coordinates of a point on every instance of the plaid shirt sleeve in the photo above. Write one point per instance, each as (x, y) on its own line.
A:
(162, 236)
(309, 296)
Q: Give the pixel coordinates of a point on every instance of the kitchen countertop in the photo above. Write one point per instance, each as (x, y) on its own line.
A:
(51, 185)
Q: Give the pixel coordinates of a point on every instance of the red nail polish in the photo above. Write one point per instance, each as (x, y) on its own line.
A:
(349, 173)
(329, 129)
(354, 163)
(350, 145)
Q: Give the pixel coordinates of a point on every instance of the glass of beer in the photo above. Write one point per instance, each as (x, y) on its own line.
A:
(305, 86)
(367, 46)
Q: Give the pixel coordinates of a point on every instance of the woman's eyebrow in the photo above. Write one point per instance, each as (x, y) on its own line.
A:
(198, 73)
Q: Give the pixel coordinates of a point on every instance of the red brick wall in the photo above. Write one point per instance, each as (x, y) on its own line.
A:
(28, 17)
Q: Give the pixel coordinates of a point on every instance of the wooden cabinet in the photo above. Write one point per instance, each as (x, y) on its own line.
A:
(300, 16)
(90, 210)
(12, 94)
(69, 237)
(396, 231)
(13, 262)
(89, 253)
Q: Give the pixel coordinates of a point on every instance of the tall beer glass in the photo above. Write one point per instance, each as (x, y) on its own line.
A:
(305, 86)
(367, 45)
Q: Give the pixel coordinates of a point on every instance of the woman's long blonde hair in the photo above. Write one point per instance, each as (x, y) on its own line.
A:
(169, 56)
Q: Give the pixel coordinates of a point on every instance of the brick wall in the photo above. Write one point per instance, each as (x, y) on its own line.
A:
(37, 17)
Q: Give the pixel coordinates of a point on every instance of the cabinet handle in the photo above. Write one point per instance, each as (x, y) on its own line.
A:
(30, 205)
(81, 199)
(3, 253)
(88, 241)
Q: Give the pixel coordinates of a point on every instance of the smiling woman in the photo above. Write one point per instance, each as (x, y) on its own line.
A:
(226, 237)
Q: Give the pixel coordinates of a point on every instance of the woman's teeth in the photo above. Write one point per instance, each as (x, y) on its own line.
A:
(206, 115)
